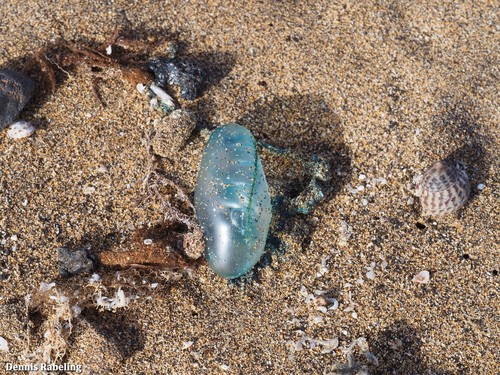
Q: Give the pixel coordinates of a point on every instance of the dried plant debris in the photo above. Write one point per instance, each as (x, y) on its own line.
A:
(172, 243)
(184, 73)
(57, 327)
(16, 89)
(150, 61)
(155, 246)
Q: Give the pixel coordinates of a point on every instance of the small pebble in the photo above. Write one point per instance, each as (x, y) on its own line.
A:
(186, 344)
(148, 241)
(422, 277)
(481, 186)
(73, 262)
(20, 129)
(172, 132)
(16, 89)
(362, 177)
(365, 202)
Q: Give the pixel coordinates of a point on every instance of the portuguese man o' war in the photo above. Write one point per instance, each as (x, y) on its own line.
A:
(232, 201)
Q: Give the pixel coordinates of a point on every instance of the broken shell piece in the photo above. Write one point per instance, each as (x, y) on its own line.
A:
(422, 277)
(141, 88)
(20, 129)
(345, 233)
(16, 89)
(172, 132)
(4, 346)
(167, 103)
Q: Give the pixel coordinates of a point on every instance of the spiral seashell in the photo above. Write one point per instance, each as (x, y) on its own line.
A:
(443, 188)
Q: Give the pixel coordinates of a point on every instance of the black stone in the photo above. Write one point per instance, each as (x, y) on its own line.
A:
(74, 262)
(16, 89)
(186, 74)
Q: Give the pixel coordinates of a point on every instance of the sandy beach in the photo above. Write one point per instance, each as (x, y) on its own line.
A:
(380, 90)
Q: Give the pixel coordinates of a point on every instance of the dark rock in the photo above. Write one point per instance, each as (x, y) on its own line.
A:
(74, 262)
(186, 74)
(16, 89)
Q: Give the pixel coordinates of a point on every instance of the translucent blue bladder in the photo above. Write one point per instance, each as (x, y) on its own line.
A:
(232, 201)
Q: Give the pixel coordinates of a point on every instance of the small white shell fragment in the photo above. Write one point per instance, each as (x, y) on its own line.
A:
(162, 95)
(44, 287)
(4, 346)
(323, 268)
(154, 285)
(148, 241)
(335, 305)
(365, 202)
(94, 278)
(102, 169)
(186, 344)
(345, 233)
(481, 186)
(351, 190)
(88, 190)
(141, 88)
(20, 129)
(422, 277)
(224, 367)
(77, 310)
(318, 319)
(383, 265)
(329, 345)
(109, 50)
(362, 177)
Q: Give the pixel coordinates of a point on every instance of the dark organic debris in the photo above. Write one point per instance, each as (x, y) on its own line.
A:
(16, 89)
(315, 190)
(171, 244)
(184, 73)
(74, 262)
(318, 176)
